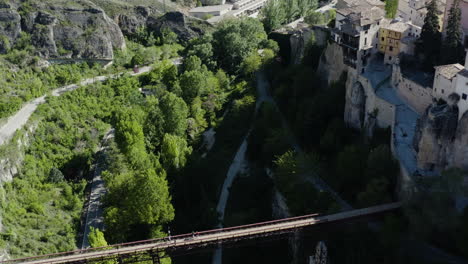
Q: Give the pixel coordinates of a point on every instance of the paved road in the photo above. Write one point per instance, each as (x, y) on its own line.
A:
(213, 236)
(20, 118)
(94, 214)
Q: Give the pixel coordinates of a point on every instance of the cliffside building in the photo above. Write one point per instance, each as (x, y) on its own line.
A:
(397, 37)
(450, 79)
(356, 31)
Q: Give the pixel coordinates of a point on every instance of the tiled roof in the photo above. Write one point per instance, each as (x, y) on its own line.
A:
(362, 15)
(397, 26)
(450, 70)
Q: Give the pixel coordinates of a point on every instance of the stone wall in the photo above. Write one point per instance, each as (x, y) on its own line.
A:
(363, 107)
(415, 95)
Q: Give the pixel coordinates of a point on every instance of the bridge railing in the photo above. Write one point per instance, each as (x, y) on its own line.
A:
(157, 240)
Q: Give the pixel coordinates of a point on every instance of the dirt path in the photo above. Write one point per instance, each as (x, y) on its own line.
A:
(94, 214)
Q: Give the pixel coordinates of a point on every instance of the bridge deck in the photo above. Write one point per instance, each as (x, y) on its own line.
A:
(203, 238)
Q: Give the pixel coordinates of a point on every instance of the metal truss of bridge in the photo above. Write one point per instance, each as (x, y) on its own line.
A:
(152, 250)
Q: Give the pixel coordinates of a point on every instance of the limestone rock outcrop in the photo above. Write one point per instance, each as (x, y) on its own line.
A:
(10, 26)
(331, 65)
(460, 144)
(184, 27)
(435, 135)
(355, 106)
(130, 22)
(74, 29)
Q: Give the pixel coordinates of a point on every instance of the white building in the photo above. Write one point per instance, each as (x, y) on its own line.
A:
(452, 78)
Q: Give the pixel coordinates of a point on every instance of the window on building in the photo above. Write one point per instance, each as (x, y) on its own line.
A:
(443, 91)
(464, 96)
(390, 48)
(366, 32)
(389, 58)
(383, 38)
(411, 11)
(365, 41)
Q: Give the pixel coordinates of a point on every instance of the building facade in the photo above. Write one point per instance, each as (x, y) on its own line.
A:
(397, 37)
(449, 79)
(356, 31)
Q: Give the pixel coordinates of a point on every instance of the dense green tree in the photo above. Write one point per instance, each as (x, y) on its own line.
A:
(193, 84)
(96, 238)
(235, 39)
(305, 6)
(391, 8)
(452, 46)
(376, 193)
(251, 64)
(350, 168)
(55, 175)
(154, 124)
(380, 163)
(291, 10)
(197, 122)
(429, 42)
(167, 36)
(175, 113)
(273, 15)
(192, 63)
(174, 152)
(203, 49)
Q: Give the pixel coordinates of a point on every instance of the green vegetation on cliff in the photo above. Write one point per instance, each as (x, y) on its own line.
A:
(154, 139)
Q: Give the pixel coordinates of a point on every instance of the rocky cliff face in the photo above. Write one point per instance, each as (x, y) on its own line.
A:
(460, 144)
(74, 29)
(436, 134)
(331, 64)
(302, 36)
(355, 106)
(131, 21)
(186, 28)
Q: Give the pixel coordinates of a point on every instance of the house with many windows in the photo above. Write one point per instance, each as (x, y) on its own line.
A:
(356, 31)
(397, 37)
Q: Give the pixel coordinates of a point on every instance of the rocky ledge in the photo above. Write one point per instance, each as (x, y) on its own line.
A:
(59, 28)
(441, 138)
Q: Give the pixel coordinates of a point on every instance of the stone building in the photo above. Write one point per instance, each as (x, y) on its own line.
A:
(356, 31)
(396, 38)
(414, 11)
(452, 79)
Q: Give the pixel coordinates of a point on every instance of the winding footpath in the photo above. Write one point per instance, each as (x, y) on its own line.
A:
(239, 162)
(94, 210)
(20, 118)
